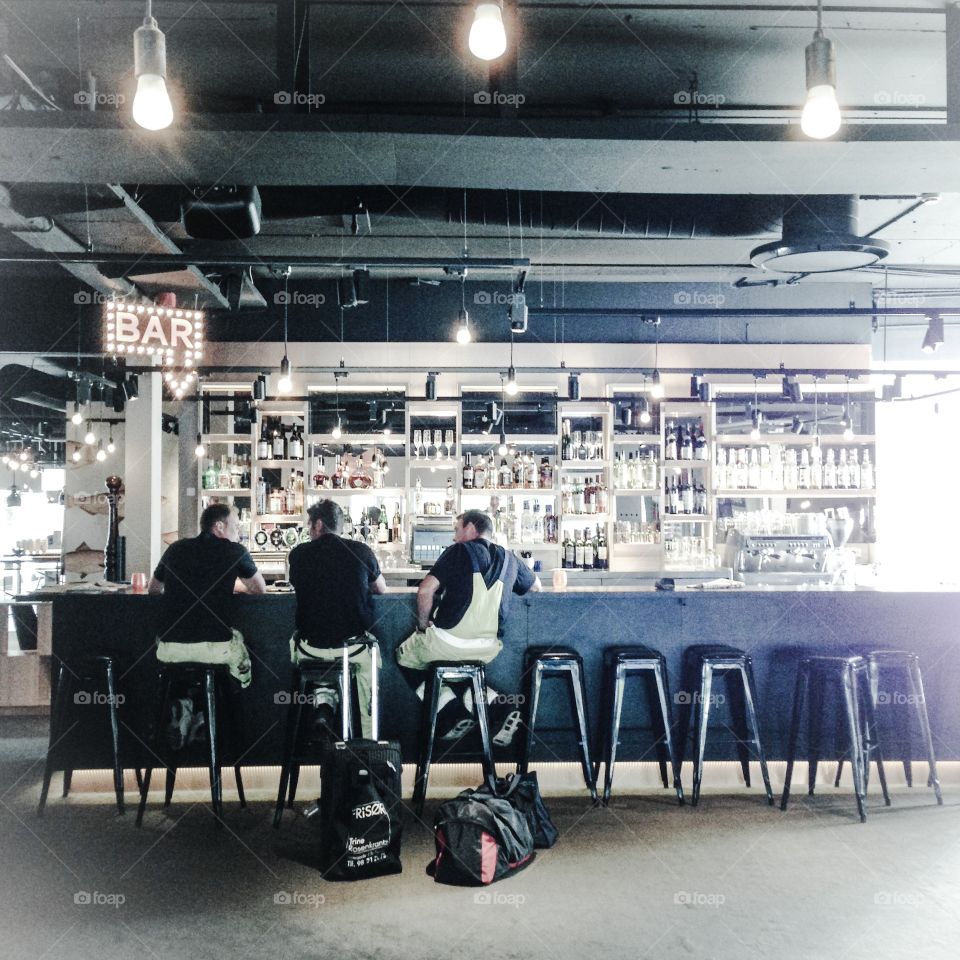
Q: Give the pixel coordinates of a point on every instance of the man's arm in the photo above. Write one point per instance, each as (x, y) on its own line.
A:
(254, 584)
(537, 586)
(379, 585)
(425, 594)
(156, 586)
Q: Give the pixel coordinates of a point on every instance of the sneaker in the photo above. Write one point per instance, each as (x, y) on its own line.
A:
(511, 724)
(178, 727)
(460, 729)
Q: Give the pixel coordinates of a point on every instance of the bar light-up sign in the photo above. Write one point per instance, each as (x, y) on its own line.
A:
(172, 335)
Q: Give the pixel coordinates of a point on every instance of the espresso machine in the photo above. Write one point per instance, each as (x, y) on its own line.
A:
(781, 559)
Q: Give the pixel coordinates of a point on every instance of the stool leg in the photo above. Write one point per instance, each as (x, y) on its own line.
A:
(480, 709)
(428, 733)
(534, 679)
(798, 698)
(576, 684)
(735, 683)
(115, 738)
(168, 787)
(616, 681)
(872, 742)
(749, 686)
(67, 781)
(606, 698)
(294, 780)
(144, 790)
(851, 698)
(56, 722)
(659, 726)
(216, 787)
(701, 719)
(239, 779)
(814, 732)
(289, 743)
(162, 701)
(136, 770)
(916, 686)
(666, 712)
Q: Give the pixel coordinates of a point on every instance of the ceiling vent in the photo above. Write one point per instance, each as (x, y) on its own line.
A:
(820, 236)
(223, 213)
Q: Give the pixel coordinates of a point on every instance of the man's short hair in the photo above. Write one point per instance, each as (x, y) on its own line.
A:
(213, 515)
(481, 521)
(329, 512)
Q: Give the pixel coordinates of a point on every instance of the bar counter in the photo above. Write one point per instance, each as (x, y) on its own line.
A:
(775, 626)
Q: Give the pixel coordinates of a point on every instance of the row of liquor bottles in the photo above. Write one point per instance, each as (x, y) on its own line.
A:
(635, 470)
(279, 441)
(233, 473)
(351, 473)
(685, 441)
(281, 500)
(685, 495)
(583, 550)
(775, 467)
(583, 497)
(523, 472)
(534, 523)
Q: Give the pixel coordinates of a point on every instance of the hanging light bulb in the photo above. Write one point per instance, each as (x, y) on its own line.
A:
(77, 417)
(502, 449)
(656, 389)
(101, 453)
(933, 338)
(644, 411)
(89, 438)
(200, 450)
(111, 446)
(756, 419)
(463, 330)
(76, 455)
(511, 386)
(24, 455)
(488, 38)
(34, 472)
(152, 109)
(284, 384)
(337, 431)
(821, 112)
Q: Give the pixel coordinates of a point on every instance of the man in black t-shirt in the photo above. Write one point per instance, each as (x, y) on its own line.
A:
(461, 606)
(335, 579)
(198, 577)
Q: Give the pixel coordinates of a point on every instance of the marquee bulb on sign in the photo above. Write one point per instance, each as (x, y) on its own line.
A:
(152, 109)
(488, 38)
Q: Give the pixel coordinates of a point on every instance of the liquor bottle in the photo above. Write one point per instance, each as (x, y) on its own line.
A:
(506, 476)
(589, 503)
(685, 442)
(295, 446)
(337, 481)
(223, 477)
(854, 471)
(526, 523)
(263, 443)
(245, 476)
(569, 551)
(700, 446)
(686, 495)
(550, 526)
(208, 480)
(418, 498)
(383, 532)
(670, 443)
(867, 480)
(397, 525)
(649, 474)
(843, 473)
(576, 502)
(603, 553)
(546, 473)
(700, 500)
(803, 474)
(753, 468)
(565, 441)
(261, 496)
(578, 549)
(518, 473)
(790, 473)
(537, 523)
(588, 553)
(766, 468)
(468, 471)
(480, 475)
(816, 466)
(619, 471)
(829, 472)
(531, 473)
(720, 481)
(279, 443)
(449, 502)
(600, 496)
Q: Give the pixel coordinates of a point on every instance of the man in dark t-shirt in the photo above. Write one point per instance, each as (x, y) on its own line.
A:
(335, 580)
(198, 577)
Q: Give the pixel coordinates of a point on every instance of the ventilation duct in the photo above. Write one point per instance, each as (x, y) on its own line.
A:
(820, 236)
(223, 213)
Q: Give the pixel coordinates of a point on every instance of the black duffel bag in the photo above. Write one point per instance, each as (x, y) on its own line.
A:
(523, 791)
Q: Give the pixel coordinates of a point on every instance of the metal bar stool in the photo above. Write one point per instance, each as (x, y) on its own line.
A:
(700, 663)
(545, 662)
(99, 672)
(852, 674)
(439, 674)
(881, 663)
(618, 664)
(216, 682)
(312, 675)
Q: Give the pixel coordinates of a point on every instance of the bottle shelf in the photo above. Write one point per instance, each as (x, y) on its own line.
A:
(509, 492)
(638, 439)
(288, 462)
(599, 517)
(793, 439)
(358, 491)
(820, 493)
(218, 438)
(685, 464)
(686, 518)
(225, 491)
(534, 545)
(584, 464)
(636, 492)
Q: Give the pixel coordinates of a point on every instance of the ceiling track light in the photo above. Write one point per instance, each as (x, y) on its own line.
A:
(573, 386)
(821, 112)
(152, 109)
(488, 37)
(430, 390)
(933, 338)
(260, 388)
(791, 388)
(796, 426)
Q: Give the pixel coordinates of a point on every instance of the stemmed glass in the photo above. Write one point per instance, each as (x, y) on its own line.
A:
(448, 442)
(417, 443)
(438, 442)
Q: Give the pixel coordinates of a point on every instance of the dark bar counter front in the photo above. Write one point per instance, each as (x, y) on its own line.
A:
(775, 627)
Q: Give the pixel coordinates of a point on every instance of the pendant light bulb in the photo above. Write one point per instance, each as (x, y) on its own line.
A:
(76, 455)
(152, 109)
(101, 453)
(644, 411)
(77, 417)
(656, 390)
(337, 431)
(111, 446)
(463, 330)
(284, 384)
(90, 438)
(511, 387)
(502, 449)
(200, 450)
(821, 112)
(756, 419)
(488, 38)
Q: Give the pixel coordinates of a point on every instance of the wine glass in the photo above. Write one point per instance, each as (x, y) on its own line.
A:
(438, 442)
(417, 443)
(448, 442)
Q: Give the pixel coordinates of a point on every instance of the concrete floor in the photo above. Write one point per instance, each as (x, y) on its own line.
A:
(643, 878)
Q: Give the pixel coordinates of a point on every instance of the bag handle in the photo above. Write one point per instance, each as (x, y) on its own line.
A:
(346, 706)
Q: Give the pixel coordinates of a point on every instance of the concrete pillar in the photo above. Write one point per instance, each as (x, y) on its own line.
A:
(187, 480)
(952, 39)
(141, 479)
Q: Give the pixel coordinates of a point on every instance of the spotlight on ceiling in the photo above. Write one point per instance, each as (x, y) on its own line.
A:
(796, 426)
(695, 383)
(131, 387)
(488, 38)
(792, 389)
(933, 338)
(573, 386)
(152, 109)
(430, 391)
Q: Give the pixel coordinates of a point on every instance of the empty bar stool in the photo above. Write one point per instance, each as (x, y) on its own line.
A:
(216, 683)
(546, 662)
(851, 674)
(98, 674)
(884, 666)
(308, 676)
(439, 674)
(701, 663)
(649, 665)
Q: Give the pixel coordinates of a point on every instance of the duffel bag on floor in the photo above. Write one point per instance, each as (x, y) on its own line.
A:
(480, 838)
(523, 791)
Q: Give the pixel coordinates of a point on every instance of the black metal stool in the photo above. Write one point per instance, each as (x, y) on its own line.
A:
(852, 673)
(215, 681)
(439, 674)
(543, 662)
(700, 663)
(618, 664)
(99, 672)
(907, 664)
(307, 675)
